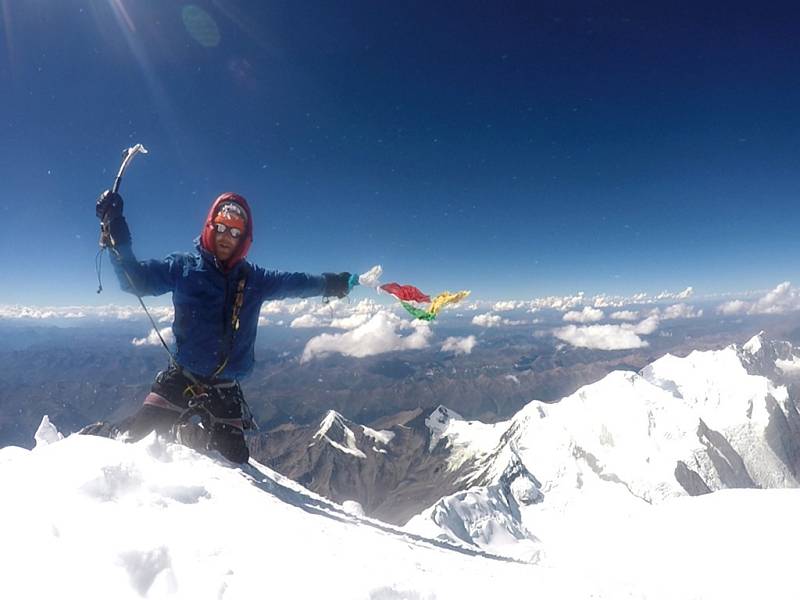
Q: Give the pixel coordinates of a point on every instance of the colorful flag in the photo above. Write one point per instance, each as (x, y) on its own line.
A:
(405, 293)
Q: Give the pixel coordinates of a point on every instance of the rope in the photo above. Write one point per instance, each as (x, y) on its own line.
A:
(144, 307)
(106, 242)
(98, 267)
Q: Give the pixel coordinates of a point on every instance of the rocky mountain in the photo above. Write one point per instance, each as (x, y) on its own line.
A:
(393, 472)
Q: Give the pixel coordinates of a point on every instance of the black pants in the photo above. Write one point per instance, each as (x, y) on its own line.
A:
(223, 402)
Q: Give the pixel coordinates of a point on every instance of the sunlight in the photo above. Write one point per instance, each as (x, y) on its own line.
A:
(5, 28)
(138, 48)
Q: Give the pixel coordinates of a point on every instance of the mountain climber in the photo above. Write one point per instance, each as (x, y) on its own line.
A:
(217, 295)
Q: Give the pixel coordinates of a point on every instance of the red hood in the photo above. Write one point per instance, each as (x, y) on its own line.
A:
(207, 236)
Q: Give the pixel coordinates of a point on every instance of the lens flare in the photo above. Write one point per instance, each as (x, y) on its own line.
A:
(201, 26)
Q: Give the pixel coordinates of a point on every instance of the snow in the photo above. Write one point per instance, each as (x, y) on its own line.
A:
(789, 366)
(47, 433)
(480, 516)
(95, 518)
(603, 493)
(332, 418)
(755, 344)
(582, 495)
(353, 507)
(382, 437)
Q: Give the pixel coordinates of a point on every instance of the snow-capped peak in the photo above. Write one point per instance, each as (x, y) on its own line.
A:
(331, 419)
(771, 358)
(437, 422)
(755, 343)
(334, 430)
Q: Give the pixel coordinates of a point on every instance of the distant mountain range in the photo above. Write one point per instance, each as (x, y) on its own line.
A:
(713, 419)
(84, 374)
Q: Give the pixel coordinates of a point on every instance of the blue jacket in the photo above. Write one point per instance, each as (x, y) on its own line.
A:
(203, 295)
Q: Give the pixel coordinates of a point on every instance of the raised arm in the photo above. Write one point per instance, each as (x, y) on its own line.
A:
(141, 278)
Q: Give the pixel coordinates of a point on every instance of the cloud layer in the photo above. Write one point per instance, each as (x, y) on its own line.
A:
(459, 345)
(380, 334)
(601, 337)
(587, 315)
(782, 299)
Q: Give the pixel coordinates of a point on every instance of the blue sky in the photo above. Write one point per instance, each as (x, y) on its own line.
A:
(517, 150)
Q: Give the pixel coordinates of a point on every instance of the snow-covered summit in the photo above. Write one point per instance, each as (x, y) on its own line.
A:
(682, 426)
(89, 517)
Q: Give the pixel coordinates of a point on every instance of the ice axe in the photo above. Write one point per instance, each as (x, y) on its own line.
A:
(105, 237)
(127, 157)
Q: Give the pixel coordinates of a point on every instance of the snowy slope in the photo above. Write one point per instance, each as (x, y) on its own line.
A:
(88, 517)
(628, 449)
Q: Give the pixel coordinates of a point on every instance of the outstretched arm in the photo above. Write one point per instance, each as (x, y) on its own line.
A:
(142, 278)
(276, 285)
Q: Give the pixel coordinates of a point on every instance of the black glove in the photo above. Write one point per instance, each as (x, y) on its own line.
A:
(337, 284)
(109, 206)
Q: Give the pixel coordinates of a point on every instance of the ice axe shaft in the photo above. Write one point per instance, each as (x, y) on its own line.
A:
(127, 157)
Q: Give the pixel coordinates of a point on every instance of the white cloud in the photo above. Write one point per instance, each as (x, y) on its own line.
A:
(459, 345)
(675, 295)
(559, 302)
(300, 307)
(587, 315)
(506, 305)
(609, 337)
(733, 307)
(152, 338)
(378, 335)
(681, 311)
(600, 337)
(625, 315)
(783, 299)
(604, 301)
(577, 301)
(351, 322)
(487, 320)
(273, 307)
(306, 320)
(646, 327)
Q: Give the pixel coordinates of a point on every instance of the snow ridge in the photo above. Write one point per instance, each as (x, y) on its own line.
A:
(94, 518)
